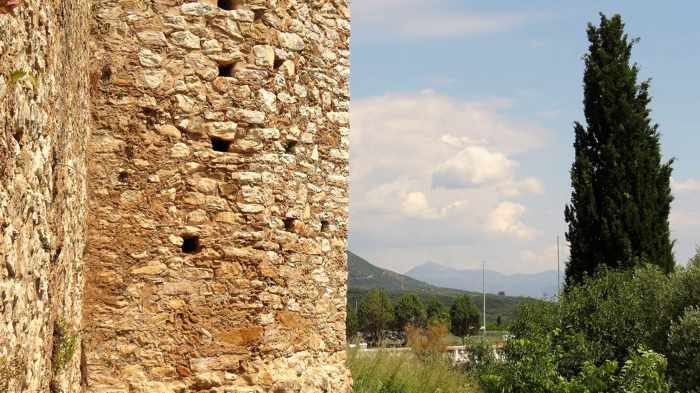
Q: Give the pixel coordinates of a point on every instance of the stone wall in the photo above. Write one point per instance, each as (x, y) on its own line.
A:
(218, 171)
(44, 122)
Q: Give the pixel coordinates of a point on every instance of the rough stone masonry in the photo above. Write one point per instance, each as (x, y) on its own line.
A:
(189, 163)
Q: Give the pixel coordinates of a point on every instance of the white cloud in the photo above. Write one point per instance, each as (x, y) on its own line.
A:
(473, 166)
(506, 219)
(545, 258)
(415, 205)
(400, 141)
(528, 185)
(685, 185)
(427, 19)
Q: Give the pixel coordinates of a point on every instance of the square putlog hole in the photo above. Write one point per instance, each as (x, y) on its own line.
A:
(190, 244)
(289, 224)
(218, 144)
(290, 147)
(325, 226)
(229, 5)
(226, 70)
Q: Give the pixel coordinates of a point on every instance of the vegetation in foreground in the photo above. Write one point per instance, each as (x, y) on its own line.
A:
(619, 331)
(384, 372)
(628, 322)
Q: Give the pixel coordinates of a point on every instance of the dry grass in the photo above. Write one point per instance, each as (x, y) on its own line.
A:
(402, 372)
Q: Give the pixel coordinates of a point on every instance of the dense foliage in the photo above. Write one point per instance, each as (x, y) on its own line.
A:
(464, 317)
(621, 196)
(409, 310)
(684, 351)
(617, 331)
(436, 311)
(376, 314)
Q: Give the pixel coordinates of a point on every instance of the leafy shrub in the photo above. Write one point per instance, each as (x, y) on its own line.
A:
(684, 351)
(535, 319)
(481, 354)
(644, 372)
(618, 311)
(594, 341)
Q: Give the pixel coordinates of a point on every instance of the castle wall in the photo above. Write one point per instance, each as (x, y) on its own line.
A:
(218, 170)
(44, 120)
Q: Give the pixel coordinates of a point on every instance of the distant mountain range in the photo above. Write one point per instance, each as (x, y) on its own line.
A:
(534, 285)
(363, 276)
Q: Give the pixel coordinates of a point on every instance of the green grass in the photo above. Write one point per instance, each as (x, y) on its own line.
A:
(391, 372)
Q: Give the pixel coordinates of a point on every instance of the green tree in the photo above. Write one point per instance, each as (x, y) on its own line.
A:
(352, 323)
(376, 314)
(464, 317)
(437, 311)
(618, 215)
(409, 310)
(694, 262)
(619, 311)
(684, 351)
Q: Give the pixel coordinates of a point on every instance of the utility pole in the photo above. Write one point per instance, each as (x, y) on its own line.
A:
(483, 289)
(558, 268)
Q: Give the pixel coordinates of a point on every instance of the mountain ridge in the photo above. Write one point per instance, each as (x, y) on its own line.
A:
(519, 284)
(364, 276)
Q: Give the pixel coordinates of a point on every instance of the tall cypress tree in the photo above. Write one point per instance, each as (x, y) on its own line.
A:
(621, 196)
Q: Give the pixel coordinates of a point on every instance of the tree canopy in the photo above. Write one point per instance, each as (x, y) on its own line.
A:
(376, 314)
(618, 215)
(464, 317)
(409, 310)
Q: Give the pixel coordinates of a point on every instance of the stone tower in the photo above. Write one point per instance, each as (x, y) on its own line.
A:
(218, 197)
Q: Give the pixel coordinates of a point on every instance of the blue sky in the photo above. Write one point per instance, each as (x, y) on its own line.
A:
(462, 124)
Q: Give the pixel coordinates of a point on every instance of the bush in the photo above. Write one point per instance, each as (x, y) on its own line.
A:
(618, 311)
(594, 341)
(644, 372)
(684, 351)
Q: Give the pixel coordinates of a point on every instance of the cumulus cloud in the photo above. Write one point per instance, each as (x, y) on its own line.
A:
(428, 19)
(415, 205)
(506, 219)
(545, 258)
(411, 133)
(685, 185)
(473, 166)
(428, 169)
(529, 185)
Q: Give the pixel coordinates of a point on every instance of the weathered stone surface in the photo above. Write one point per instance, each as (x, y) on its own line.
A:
(44, 126)
(215, 147)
